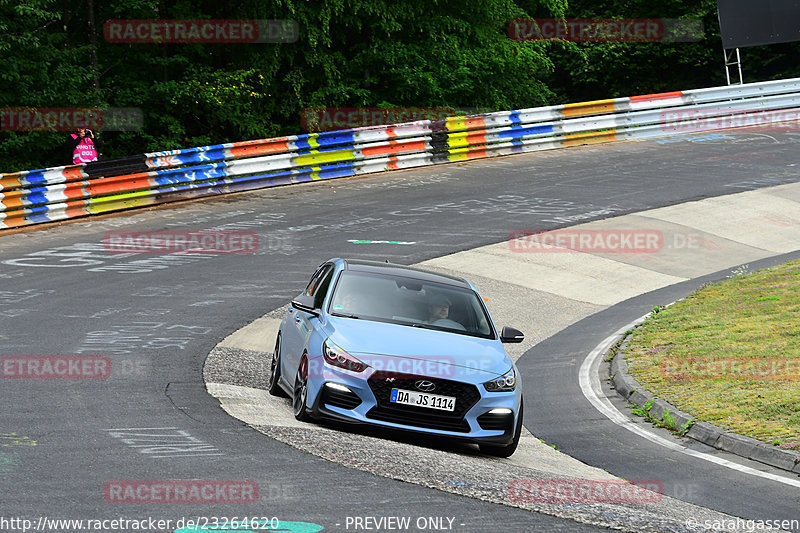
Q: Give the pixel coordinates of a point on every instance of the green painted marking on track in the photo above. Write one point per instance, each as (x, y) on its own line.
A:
(12, 439)
(8, 461)
(367, 241)
(284, 526)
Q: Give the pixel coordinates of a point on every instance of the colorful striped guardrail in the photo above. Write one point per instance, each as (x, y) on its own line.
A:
(52, 194)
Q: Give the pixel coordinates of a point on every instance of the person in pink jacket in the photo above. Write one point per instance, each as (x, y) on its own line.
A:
(83, 146)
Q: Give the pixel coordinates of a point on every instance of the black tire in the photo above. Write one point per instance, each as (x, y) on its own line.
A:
(300, 395)
(509, 449)
(274, 385)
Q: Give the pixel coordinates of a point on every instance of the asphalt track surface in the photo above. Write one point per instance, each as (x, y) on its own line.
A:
(156, 318)
(562, 415)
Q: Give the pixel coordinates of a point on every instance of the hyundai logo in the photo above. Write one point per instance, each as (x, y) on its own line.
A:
(424, 385)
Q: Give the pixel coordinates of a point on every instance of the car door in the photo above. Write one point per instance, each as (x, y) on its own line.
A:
(300, 324)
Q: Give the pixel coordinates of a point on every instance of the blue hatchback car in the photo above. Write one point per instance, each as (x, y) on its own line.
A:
(399, 347)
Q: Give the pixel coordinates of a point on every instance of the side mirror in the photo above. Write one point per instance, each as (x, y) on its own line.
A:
(511, 335)
(305, 303)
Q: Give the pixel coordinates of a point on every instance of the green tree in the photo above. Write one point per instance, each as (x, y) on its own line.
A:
(355, 53)
(41, 68)
(591, 71)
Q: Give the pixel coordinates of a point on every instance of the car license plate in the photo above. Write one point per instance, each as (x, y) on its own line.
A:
(423, 399)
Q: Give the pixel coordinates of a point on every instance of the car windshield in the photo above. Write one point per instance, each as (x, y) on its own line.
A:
(410, 302)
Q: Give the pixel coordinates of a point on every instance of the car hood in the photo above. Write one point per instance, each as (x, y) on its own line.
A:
(381, 344)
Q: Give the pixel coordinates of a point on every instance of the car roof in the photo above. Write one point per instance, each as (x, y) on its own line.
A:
(393, 269)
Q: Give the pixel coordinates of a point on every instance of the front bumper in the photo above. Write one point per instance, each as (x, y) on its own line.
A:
(477, 421)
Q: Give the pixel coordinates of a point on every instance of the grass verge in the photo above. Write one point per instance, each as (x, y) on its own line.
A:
(666, 421)
(729, 354)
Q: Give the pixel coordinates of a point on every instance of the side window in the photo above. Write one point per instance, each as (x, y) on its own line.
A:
(315, 279)
(322, 287)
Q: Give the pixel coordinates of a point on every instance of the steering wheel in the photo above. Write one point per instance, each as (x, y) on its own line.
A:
(447, 323)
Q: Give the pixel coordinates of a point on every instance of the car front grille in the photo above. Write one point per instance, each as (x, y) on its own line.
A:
(382, 383)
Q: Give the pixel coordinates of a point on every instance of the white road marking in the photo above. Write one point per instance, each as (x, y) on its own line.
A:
(589, 380)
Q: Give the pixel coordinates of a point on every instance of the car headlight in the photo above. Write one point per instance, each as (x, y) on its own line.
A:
(335, 356)
(505, 383)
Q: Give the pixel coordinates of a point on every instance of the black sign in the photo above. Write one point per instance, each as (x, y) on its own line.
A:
(758, 22)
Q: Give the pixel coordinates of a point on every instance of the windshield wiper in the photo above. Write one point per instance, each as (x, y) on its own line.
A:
(345, 316)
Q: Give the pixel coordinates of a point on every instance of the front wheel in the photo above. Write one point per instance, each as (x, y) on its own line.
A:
(300, 396)
(274, 385)
(509, 449)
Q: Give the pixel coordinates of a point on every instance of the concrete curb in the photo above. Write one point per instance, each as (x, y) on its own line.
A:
(709, 434)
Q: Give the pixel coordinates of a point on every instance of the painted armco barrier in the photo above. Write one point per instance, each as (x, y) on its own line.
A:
(45, 195)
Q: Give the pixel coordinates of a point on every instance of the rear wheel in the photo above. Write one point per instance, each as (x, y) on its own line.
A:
(509, 449)
(274, 387)
(300, 395)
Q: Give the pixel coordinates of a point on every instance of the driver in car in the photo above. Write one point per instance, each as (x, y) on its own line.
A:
(438, 308)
